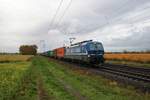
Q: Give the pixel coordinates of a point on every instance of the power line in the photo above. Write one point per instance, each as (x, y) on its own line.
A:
(116, 13)
(121, 7)
(57, 10)
(65, 11)
(60, 19)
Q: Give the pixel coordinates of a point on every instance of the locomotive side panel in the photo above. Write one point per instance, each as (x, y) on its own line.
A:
(76, 53)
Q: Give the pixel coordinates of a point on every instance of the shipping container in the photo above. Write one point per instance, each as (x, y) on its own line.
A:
(60, 52)
(50, 53)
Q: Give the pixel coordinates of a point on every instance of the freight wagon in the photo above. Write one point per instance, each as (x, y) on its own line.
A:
(50, 53)
(59, 53)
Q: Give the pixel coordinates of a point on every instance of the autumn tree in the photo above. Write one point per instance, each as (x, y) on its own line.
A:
(28, 49)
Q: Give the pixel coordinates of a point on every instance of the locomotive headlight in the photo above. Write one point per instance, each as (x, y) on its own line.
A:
(89, 55)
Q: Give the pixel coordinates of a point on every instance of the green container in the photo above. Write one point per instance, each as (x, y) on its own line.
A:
(50, 54)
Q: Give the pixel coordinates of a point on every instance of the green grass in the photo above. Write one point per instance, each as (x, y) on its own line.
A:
(51, 83)
(18, 81)
(58, 82)
(92, 87)
(27, 90)
(10, 76)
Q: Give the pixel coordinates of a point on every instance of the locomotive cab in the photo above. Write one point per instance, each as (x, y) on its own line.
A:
(95, 52)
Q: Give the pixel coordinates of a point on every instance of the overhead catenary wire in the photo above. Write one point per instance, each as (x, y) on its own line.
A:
(55, 15)
(60, 19)
(65, 11)
(107, 18)
(117, 12)
(114, 14)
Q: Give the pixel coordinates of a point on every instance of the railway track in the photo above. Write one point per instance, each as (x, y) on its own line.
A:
(141, 70)
(138, 77)
(136, 74)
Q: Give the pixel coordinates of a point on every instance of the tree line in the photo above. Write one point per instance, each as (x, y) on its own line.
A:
(28, 49)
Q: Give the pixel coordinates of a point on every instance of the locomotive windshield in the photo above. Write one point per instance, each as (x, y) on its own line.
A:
(96, 46)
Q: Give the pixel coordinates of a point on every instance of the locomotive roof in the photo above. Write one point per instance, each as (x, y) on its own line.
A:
(83, 43)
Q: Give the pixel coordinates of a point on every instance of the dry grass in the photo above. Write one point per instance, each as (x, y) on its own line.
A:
(14, 58)
(144, 58)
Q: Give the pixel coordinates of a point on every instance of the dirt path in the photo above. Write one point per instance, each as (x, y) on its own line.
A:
(42, 94)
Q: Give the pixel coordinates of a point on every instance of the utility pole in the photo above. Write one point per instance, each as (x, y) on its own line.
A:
(43, 45)
(71, 40)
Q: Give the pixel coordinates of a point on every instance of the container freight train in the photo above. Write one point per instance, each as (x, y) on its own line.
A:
(86, 51)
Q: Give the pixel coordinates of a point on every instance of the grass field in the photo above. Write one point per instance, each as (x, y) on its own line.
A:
(44, 79)
(141, 58)
(14, 71)
(14, 58)
(10, 78)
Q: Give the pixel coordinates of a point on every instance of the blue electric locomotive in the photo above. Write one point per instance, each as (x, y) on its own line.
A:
(86, 51)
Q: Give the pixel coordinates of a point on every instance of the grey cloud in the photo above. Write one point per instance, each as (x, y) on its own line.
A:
(119, 24)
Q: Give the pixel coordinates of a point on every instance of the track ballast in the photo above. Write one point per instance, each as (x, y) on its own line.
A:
(139, 77)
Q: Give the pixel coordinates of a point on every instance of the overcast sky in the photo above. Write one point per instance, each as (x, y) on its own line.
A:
(118, 24)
